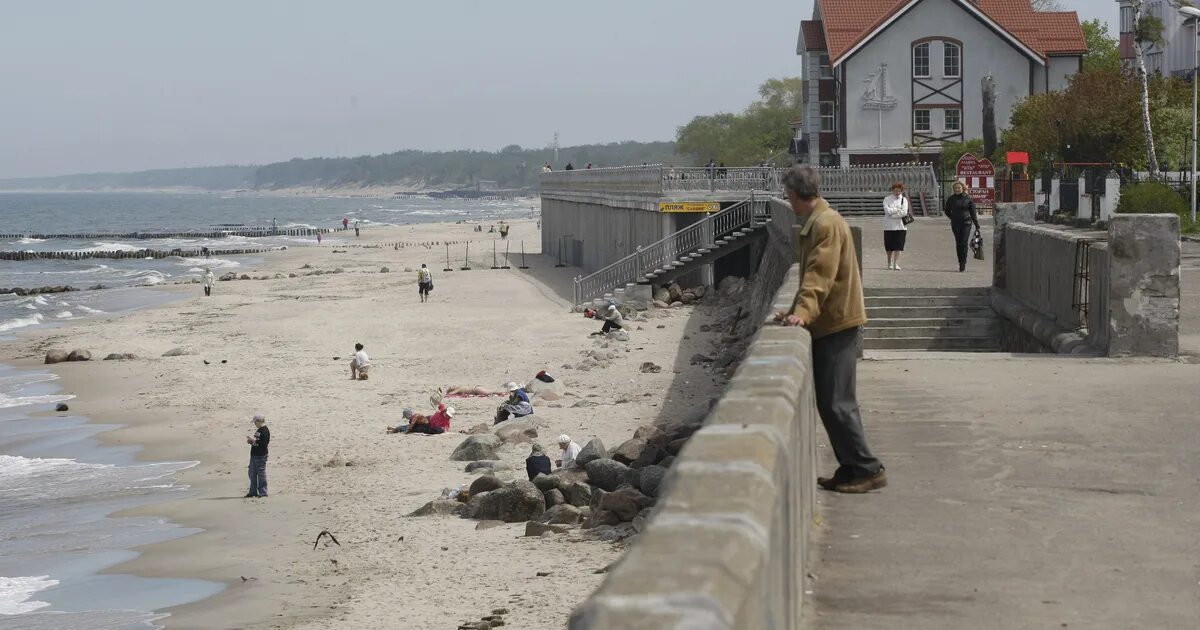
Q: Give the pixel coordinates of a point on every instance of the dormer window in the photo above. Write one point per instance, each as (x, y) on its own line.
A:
(951, 60)
(920, 61)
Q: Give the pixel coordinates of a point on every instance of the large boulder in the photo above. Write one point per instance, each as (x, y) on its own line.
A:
(645, 432)
(438, 507)
(546, 483)
(625, 503)
(591, 451)
(534, 528)
(607, 474)
(179, 352)
(486, 483)
(650, 455)
(554, 497)
(120, 356)
(650, 479)
(489, 466)
(578, 494)
(629, 451)
(517, 501)
(562, 515)
(475, 448)
(56, 356)
(517, 432)
(79, 355)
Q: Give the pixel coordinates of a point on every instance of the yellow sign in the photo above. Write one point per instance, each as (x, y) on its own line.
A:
(689, 206)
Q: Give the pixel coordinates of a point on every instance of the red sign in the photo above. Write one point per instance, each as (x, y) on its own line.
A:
(980, 177)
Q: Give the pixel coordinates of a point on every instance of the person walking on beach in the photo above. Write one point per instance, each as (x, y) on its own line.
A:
(356, 233)
(318, 238)
(208, 282)
(424, 282)
(258, 441)
(274, 225)
(830, 305)
(896, 216)
(960, 208)
(345, 223)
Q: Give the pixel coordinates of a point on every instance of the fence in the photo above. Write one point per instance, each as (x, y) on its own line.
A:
(728, 545)
(1049, 270)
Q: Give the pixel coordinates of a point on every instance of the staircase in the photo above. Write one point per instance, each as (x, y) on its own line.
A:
(713, 237)
(866, 204)
(945, 319)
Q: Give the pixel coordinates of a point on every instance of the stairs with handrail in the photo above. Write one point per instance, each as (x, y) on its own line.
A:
(701, 243)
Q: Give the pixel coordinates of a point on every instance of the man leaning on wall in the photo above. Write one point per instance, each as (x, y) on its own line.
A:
(830, 305)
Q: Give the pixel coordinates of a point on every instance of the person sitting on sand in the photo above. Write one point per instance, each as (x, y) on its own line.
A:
(612, 320)
(570, 450)
(537, 463)
(360, 364)
(517, 405)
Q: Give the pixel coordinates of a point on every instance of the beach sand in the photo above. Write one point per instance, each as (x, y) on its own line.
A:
(281, 347)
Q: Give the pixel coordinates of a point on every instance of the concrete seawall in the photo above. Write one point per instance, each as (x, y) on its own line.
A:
(729, 543)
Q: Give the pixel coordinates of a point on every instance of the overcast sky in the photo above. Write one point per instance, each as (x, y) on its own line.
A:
(120, 85)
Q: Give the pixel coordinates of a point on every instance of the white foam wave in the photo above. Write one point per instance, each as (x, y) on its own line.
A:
(21, 322)
(64, 315)
(16, 593)
(198, 264)
(8, 402)
(28, 240)
(101, 246)
(89, 310)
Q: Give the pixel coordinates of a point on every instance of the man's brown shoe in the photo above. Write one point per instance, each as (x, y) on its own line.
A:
(863, 485)
(840, 476)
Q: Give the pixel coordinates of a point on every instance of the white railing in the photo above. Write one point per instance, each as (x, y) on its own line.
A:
(655, 256)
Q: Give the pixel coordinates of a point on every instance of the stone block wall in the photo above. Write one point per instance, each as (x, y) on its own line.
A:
(1143, 291)
(728, 545)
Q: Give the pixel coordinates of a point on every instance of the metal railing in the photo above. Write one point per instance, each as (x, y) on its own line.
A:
(1050, 270)
(655, 180)
(656, 256)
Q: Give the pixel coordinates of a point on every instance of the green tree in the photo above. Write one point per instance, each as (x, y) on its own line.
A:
(1103, 52)
(761, 132)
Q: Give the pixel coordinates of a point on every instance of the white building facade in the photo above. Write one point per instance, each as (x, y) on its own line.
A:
(888, 79)
(1177, 54)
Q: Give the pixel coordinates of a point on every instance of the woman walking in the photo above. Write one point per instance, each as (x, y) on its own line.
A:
(895, 230)
(961, 210)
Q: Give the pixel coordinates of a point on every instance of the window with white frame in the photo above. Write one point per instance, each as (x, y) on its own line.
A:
(953, 120)
(827, 116)
(826, 70)
(920, 61)
(922, 121)
(951, 60)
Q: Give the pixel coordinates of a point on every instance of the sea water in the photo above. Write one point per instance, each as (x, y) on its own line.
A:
(58, 485)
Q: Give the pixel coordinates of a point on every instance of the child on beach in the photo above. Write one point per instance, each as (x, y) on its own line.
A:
(208, 282)
(360, 364)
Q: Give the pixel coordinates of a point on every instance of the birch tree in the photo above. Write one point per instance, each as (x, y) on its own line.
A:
(1147, 31)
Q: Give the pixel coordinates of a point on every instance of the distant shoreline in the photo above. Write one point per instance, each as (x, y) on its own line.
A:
(349, 192)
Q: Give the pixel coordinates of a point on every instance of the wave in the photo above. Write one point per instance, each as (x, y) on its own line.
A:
(16, 593)
(28, 481)
(64, 315)
(115, 246)
(21, 322)
(197, 264)
(89, 310)
(8, 402)
(28, 241)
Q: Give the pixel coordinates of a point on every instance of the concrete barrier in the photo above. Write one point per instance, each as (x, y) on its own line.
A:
(728, 545)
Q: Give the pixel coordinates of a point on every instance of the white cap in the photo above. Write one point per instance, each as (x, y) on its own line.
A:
(450, 411)
(511, 386)
(564, 439)
(612, 307)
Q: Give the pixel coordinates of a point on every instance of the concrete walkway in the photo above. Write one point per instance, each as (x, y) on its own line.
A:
(1026, 491)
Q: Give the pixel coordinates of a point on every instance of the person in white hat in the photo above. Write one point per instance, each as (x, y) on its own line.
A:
(612, 320)
(516, 406)
(258, 442)
(570, 450)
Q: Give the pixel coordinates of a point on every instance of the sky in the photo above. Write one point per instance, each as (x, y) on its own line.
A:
(123, 85)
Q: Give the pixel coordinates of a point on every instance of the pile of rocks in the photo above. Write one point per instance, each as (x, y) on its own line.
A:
(62, 356)
(673, 296)
(37, 290)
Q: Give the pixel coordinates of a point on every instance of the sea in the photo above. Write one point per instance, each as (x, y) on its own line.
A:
(59, 486)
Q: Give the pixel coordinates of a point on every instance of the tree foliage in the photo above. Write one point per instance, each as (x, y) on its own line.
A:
(759, 133)
(1098, 119)
(1103, 51)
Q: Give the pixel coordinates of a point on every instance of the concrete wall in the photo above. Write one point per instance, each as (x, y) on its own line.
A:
(983, 53)
(608, 233)
(1061, 69)
(1143, 292)
(728, 545)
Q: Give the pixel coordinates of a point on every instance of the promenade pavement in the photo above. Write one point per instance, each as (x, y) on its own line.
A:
(1026, 491)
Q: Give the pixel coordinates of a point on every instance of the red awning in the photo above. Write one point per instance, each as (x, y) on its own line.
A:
(1017, 157)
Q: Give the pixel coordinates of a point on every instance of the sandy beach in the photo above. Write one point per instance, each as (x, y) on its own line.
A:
(281, 347)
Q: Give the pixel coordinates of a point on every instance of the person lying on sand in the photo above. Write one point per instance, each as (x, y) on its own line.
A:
(436, 424)
(517, 405)
(475, 390)
(359, 364)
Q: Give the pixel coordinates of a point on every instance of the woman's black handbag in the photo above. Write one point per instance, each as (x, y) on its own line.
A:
(908, 218)
(977, 244)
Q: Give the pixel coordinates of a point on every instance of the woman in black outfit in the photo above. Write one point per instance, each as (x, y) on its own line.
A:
(961, 210)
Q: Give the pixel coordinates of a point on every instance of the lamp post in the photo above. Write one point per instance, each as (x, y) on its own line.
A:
(1194, 13)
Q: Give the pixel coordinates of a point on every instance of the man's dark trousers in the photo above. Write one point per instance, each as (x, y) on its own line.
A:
(835, 377)
(258, 476)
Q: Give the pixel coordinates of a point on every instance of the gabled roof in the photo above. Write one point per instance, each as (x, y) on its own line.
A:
(812, 36)
(848, 24)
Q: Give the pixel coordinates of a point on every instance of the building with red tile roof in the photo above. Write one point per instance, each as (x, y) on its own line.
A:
(890, 78)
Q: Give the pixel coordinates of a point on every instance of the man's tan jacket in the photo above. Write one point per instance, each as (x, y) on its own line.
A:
(830, 298)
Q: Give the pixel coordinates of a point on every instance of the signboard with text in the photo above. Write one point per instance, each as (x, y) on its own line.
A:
(980, 177)
(689, 206)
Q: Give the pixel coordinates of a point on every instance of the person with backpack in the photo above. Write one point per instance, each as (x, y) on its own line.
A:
(424, 282)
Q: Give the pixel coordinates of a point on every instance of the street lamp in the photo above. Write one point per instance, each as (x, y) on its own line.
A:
(1194, 13)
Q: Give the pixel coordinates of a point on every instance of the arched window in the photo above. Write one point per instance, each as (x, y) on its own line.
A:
(951, 60)
(920, 60)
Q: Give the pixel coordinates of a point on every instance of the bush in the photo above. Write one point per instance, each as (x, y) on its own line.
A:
(1152, 198)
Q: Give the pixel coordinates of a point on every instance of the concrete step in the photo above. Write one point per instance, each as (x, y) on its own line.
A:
(986, 331)
(932, 322)
(939, 312)
(913, 291)
(926, 300)
(961, 344)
